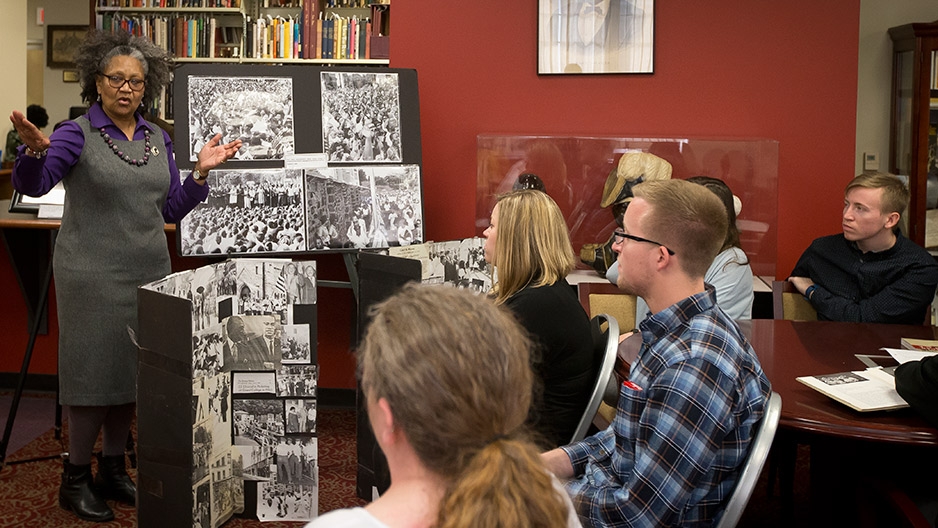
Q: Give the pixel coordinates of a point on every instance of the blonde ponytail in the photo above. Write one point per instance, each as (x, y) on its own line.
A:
(504, 485)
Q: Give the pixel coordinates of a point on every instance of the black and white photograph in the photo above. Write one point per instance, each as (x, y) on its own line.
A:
(247, 211)
(297, 380)
(201, 505)
(596, 36)
(285, 502)
(219, 411)
(256, 461)
(256, 110)
(203, 297)
(361, 117)
(201, 451)
(199, 401)
(842, 378)
(295, 344)
(257, 422)
(301, 416)
(462, 263)
(252, 342)
(398, 204)
(298, 282)
(297, 458)
(223, 502)
(254, 383)
(207, 350)
(358, 207)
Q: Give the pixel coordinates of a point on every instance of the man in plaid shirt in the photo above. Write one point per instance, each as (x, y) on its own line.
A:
(686, 416)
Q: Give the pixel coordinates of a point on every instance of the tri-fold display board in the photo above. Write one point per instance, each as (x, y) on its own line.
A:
(331, 158)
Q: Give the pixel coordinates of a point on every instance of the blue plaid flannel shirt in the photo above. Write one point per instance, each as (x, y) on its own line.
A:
(683, 424)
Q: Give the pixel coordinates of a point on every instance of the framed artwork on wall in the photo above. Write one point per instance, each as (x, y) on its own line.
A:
(595, 36)
(61, 43)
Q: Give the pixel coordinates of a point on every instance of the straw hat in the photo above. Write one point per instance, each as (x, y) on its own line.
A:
(634, 168)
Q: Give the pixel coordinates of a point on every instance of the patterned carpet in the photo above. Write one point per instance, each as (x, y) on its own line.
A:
(30, 491)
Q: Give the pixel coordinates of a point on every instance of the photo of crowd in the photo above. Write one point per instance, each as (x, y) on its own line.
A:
(359, 207)
(256, 110)
(247, 211)
(286, 502)
(361, 117)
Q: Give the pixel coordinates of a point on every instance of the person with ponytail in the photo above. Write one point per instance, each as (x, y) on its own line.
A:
(447, 398)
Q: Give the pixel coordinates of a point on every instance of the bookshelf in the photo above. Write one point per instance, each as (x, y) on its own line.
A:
(260, 31)
(336, 32)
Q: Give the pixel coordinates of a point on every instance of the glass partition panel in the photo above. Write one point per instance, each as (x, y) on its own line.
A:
(574, 170)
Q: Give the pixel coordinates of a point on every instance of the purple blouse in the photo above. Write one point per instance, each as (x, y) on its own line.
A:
(35, 177)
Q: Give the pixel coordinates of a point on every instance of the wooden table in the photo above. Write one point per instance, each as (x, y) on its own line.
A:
(850, 451)
(788, 349)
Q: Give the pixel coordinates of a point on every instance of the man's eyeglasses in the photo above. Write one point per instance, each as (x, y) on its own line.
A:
(619, 235)
(117, 82)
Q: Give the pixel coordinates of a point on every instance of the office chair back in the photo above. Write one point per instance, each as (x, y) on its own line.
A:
(788, 303)
(755, 460)
(605, 346)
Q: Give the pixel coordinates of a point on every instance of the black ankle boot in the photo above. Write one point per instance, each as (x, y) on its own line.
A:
(76, 494)
(112, 480)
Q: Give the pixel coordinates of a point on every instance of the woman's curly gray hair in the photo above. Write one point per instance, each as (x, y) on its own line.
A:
(99, 47)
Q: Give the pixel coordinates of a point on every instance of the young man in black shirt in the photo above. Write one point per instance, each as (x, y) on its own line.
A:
(870, 273)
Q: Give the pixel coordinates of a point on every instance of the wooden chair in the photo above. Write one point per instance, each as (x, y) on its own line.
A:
(605, 297)
(788, 303)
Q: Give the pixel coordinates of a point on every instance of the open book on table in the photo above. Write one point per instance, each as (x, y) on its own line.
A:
(873, 389)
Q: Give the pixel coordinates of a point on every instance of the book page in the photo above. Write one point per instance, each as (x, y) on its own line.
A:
(903, 356)
(858, 390)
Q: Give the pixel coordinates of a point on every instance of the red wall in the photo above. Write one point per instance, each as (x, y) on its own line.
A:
(779, 70)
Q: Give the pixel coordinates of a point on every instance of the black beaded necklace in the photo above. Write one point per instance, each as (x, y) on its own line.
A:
(120, 154)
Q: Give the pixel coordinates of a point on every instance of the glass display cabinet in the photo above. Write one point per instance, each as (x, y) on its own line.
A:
(914, 119)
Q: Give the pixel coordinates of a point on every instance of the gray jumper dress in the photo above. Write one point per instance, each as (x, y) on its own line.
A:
(111, 241)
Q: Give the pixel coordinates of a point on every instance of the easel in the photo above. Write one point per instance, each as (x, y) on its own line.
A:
(35, 325)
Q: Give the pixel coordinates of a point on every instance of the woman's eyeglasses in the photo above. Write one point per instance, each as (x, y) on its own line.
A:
(619, 235)
(117, 82)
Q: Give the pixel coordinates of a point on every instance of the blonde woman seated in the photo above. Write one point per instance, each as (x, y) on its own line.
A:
(459, 457)
(528, 243)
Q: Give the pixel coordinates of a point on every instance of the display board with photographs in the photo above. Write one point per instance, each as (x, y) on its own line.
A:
(253, 387)
(458, 263)
(330, 161)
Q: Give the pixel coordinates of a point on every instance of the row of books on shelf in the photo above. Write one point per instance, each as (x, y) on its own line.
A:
(201, 36)
(169, 3)
(329, 4)
(332, 37)
(162, 106)
(183, 36)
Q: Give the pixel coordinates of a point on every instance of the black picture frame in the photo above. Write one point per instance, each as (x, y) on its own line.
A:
(61, 43)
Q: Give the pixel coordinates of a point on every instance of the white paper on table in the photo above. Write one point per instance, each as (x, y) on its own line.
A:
(904, 356)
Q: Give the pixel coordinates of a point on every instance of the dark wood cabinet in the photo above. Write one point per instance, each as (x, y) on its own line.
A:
(914, 119)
